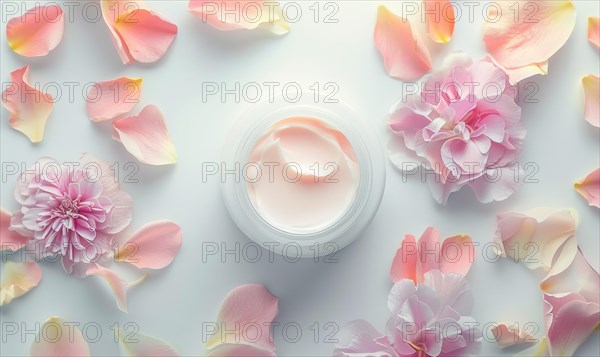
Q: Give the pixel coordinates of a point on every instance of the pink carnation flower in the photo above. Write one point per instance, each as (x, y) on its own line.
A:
(464, 126)
(71, 210)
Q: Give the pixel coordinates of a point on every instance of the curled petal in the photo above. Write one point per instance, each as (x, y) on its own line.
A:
(440, 19)
(59, 339)
(510, 334)
(404, 54)
(530, 36)
(29, 108)
(37, 32)
(591, 88)
(589, 187)
(141, 345)
(250, 309)
(594, 31)
(9, 239)
(146, 137)
(153, 246)
(579, 277)
(17, 279)
(241, 15)
(457, 254)
(107, 100)
(404, 265)
(118, 286)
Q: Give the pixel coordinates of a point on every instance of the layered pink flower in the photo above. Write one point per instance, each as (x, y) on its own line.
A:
(429, 319)
(464, 126)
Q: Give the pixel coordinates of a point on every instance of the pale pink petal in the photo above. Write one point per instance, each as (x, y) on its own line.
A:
(404, 265)
(17, 279)
(37, 31)
(404, 54)
(146, 137)
(589, 187)
(141, 345)
(440, 19)
(591, 88)
(237, 350)
(457, 254)
(118, 286)
(9, 239)
(107, 100)
(541, 349)
(153, 246)
(579, 277)
(359, 337)
(59, 338)
(527, 33)
(510, 334)
(594, 31)
(29, 108)
(515, 75)
(240, 15)
(247, 310)
(429, 250)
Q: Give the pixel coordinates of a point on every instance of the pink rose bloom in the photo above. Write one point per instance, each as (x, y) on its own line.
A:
(465, 127)
(71, 210)
(428, 319)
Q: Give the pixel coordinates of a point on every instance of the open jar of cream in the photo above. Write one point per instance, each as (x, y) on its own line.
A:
(310, 176)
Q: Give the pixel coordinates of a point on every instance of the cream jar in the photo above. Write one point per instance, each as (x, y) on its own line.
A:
(311, 176)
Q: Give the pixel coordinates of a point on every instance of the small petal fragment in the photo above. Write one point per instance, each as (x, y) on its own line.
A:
(589, 187)
(59, 339)
(142, 345)
(153, 246)
(404, 54)
(117, 285)
(36, 32)
(510, 334)
(541, 349)
(9, 239)
(594, 31)
(17, 279)
(440, 19)
(29, 108)
(146, 137)
(238, 350)
(107, 100)
(404, 265)
(591, 88)
(250, 308)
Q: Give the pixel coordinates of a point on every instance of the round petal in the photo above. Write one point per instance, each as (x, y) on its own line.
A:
(153, 246)
(107, 100)
(17, 279)
(60, 339)
(404, 265)
(118, 286)
(591, 88)
(9, 239)
(440, 19)
(594, 31)
(510, 334)
(36, 32)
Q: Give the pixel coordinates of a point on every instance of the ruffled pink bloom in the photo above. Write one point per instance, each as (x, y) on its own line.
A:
(428, 319)
(464, 126)
(74, 211)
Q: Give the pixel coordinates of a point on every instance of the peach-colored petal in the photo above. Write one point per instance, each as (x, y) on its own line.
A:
(140, 345)
(118, 286)
(440, 19)
(153, 246)
(235, 350)
(510, 334)
(37, 31)
(231, 15)
(530, 36)
(107, 100)
(404, 54)
(579, 277)
(146, 137)
(9, 239)
(457, 254)
(17, 279)
(591, 88)
(29, 108)
(58, 338)
(138, 33)
(248, 311)
(404, 265)
(594, 31)
(515, 75)
(589, 187)
(540, 349)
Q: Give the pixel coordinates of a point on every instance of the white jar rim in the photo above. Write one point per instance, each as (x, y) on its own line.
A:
(252, 125)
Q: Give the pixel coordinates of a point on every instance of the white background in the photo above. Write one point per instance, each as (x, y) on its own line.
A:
(174, 303)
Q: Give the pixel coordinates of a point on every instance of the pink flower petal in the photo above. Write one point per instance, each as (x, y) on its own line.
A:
(404, 265)
(457, 254)
(139, 34)
(17, 279)
(589, 187)
(236, 350)
(59, 339)
(579, 277)
(107, 100)
(9, 239)
(440, 19)
(118, 286)
(404, 54)
(146, 137)
(141, 345)
(591, 88)
(360, 337)
(529, 38)
(594, 31)
(241, 15)
(36, 32)
(540, 349)
(29, 108)
(510, 334)
(248, 310)
(153, 246)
